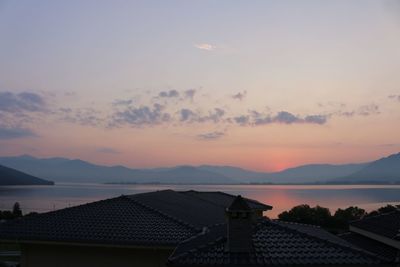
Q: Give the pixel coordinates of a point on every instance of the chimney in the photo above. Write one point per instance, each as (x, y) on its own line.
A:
(240, 227)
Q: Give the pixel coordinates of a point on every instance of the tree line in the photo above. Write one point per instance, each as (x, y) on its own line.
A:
(14, 213)
(337, 222)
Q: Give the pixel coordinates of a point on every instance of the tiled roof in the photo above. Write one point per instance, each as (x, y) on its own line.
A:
(377, 248)
(198, 209)
(117, 221)
(160, 218)
(274, 245)
(196, 212)
(314, 230)
(224, 199)
(386, 224)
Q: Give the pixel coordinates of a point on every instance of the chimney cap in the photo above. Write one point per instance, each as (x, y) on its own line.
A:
(239, 204)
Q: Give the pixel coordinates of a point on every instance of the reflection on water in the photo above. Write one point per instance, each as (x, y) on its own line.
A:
(281, 197)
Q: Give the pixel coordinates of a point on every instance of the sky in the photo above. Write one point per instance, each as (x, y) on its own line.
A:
(263, 85)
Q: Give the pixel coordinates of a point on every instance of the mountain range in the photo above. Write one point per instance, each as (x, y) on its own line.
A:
(10, 176)
(385, 170)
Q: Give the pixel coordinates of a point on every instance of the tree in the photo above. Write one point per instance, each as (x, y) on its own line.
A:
(385, 209)
(343, 217)
(305, 214)
(17, 210)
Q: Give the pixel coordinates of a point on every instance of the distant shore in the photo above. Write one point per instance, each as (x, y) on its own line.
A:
(316, 183)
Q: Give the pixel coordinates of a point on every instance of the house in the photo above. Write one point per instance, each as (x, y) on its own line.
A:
(135, 230)
(173, 228)
(243, 241)
(380, 235)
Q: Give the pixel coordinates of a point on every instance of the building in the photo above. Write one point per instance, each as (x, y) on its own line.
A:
(135, 230)
(243, 241)
(380, 235)
(176, 229)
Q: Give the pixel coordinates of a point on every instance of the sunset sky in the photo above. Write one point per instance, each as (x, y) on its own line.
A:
(263, 85)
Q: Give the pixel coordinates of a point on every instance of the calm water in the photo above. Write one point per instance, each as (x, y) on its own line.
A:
(281, 197)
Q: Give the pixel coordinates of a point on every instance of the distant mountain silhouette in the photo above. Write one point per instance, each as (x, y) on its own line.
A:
(235, 173)
(314, 173)
(311, 173)
(10, 176)
(382, 170)
(67, 170)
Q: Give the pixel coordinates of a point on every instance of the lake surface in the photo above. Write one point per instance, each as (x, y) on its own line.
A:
(281, 197)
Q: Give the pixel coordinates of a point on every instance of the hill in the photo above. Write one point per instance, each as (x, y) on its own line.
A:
(10, 176)
(314, 173)
(67, 170)
(235, 173)
(383, 170)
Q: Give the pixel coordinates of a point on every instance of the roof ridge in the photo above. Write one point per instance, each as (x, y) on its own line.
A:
(247, 199)
(365, 218)
(341, 246)
(163, 214)
(51, 212)
(222, 193)
(297, 223)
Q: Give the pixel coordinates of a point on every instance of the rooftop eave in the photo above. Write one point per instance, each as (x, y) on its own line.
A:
(380, 238)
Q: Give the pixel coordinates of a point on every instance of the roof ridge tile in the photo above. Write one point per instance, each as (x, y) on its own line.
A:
(297, 223)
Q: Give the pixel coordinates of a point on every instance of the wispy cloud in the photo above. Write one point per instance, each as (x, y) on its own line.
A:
(25, 101)
(240, 96)
(211, 135)
(107, 150)
(15, 133)
(170, 93)
(122, 102)
(187, 115)
(255, 118)
(140, 116)
(81, 116)
(394, 97)
(190, 93)
(205, 46)
(367, 110)
(364, 110)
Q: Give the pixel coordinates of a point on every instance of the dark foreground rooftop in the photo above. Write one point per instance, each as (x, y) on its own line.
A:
(263, 242)
(379, 234)
(161, 218)
(204, 228)
(386, 224)
(274, 244)
(383, 251)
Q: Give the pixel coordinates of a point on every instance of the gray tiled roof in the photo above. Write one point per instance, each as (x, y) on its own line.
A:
(198, 209)
(118, 221)
(161, 218)
(274, 245)
(386, 224)
(377, 248)
(314, 230)
(224, 199)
